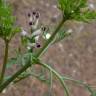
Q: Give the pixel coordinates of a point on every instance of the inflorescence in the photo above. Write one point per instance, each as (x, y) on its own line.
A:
(33, 38)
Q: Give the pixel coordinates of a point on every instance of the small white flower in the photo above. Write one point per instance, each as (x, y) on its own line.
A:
(23, 33)
(37, 32)
(70, 31)
(91, 6)
(31, 19)
(47, 36)
(36, 38)
(34, 26)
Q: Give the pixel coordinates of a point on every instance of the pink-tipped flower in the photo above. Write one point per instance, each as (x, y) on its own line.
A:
(44, 28)
(30, 19)
(38, 45)
(37, 15)
(34, 20)
(29, 15)
(35, 24)
(34, 12)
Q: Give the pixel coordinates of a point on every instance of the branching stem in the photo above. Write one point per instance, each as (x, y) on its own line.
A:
(6, 83)
(57, 75)
(4, 61)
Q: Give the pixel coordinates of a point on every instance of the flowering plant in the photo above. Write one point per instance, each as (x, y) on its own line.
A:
(78, 10)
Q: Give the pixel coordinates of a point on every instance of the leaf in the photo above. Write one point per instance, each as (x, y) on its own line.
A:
(14, 30)
(61, 35)
(85, 16)
(0, 1)
(72, 10)
(67, 6)
(51, 84)
(18, 60)
(6, 77)
(7, 21)
(11, 62)
(94, 93)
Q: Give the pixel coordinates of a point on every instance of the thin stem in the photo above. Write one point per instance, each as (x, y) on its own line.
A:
(43, 49)
(51, 83)
(6, 83)
(57, 75)
(78, 82)
(4, 61)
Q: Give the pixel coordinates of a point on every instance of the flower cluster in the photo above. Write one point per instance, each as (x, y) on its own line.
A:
(33, 40)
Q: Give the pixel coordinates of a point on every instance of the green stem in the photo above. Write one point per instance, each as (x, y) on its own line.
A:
(51, 84)
(57, 75)
(6, 83)
(88, 87)
(4, 61)
(43, 49)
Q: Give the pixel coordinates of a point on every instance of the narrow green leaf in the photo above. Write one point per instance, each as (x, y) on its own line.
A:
(61, 35)
(94, 93)
(11, 62)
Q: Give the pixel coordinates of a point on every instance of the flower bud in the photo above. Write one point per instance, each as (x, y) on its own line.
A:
(35, 24)
(30, 23)
(23, 33)
(47, 36)
(28, 47)
(38, 45)
(34, 12)
(37, 32)
(29, 15)
(37, 38)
